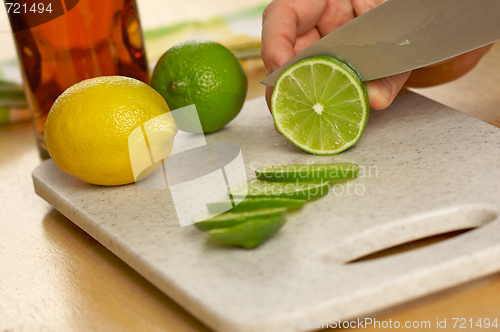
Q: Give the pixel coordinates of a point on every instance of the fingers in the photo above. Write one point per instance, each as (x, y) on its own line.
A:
(336, 13)
(382, 92)
(289, 26)
(282, 22)
(279, 28)
(306, 39)
(447, 70)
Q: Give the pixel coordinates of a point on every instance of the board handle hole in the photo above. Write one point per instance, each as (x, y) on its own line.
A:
(408, 234)
(410, 246)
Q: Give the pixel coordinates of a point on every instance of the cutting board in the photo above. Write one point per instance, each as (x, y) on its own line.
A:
(425, 169)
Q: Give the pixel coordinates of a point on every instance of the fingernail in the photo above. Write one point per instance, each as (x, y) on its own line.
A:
(384, 89)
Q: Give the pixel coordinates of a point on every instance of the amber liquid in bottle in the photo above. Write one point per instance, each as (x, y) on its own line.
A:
(90, 38)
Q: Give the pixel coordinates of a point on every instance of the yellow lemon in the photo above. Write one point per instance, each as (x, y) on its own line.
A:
(97, 125)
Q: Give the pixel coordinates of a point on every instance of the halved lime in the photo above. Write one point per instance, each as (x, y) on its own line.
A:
(320, 105)
(249, 234)
(299, 190)
(209, 221)
(309, 172)
(250, 204)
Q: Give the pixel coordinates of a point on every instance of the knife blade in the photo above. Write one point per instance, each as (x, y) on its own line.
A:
(401, 35)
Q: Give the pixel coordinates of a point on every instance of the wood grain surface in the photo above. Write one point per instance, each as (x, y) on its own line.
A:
(54, 277)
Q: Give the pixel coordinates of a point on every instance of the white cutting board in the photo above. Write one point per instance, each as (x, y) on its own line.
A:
(438, 171)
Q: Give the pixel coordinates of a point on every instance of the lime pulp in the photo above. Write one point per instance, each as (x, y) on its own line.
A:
(210, 221)
(320, 105)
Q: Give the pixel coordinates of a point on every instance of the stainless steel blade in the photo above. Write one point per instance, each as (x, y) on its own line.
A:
(401, 35)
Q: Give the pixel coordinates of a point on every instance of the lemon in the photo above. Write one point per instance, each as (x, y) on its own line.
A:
(205, 74)
(88, 128)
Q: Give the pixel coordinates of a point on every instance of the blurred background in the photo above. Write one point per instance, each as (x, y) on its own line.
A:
(236, 24)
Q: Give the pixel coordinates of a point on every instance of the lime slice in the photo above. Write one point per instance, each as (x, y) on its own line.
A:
(250, 204)
(320, 105)
(297, 172)
(209, 221)
(298, 190)
(250, 233)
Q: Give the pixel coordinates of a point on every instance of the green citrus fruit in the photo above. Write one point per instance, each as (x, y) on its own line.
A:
(249, 234)
(258, 203)
(88, 128)
(209, 221)
(320, 105)
(205, 74)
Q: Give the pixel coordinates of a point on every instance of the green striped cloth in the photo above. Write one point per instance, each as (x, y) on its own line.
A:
(240, 32)
(13, 107)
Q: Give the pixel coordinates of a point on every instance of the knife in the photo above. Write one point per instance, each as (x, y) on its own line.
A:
(400, 35)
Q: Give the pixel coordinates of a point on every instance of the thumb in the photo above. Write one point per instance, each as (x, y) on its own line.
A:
(382, 92)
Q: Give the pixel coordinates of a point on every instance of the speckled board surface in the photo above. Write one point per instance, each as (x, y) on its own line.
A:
(425, 169)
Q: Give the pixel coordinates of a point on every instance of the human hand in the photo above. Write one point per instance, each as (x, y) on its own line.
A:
(289, 26)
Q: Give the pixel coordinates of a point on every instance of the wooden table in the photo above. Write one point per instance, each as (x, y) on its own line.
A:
(55, 277)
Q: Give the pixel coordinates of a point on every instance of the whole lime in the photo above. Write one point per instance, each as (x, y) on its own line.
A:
(203, 73)
(90, 125)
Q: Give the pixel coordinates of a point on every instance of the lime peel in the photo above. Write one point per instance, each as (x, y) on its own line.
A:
(250, 233)
(210, 221)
